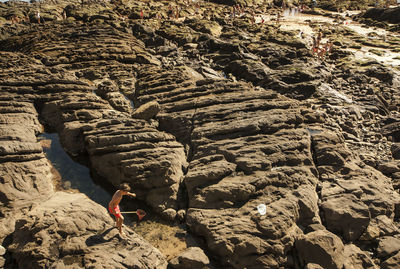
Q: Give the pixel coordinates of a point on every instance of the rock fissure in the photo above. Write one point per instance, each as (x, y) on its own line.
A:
(191, 149)
(318, 185)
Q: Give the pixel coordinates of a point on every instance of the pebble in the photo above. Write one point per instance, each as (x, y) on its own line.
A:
(67, 184)
(2, 250)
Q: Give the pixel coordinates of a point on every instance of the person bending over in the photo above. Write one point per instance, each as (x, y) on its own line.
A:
(113, 206)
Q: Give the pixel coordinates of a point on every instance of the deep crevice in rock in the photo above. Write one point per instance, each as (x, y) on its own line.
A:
(320, 180)
(75, 172)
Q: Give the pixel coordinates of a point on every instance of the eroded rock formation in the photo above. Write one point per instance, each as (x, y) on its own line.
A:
(71, 230)
(206, 117)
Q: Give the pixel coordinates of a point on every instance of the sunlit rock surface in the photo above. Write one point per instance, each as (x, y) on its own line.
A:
(206, 116)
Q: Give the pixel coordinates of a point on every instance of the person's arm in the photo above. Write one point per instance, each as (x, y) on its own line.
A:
(131, 194)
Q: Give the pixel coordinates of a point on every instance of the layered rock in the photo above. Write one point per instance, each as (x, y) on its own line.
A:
(70, 230)
(26, 85)
(193, 257)
(381, 14)
(322, 248)
(362, 192)
(24, 170)
(241, 113)
(135, 152)
(356, 258)
(74, 108)
(247, 148)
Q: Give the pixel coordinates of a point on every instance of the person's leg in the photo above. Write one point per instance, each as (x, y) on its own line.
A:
(118, 224)
(120, 221)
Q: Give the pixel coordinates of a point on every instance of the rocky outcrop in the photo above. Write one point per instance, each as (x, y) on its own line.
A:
(63, 238)
(69, 230)
(147, 111)
(76, 107)
(117, 147)
(356, 258)
(365, 193)
(118, 151)
(193, 257)
(232, 129)
(24, 170)
(206, 117)
(322, 248)
(391, 15)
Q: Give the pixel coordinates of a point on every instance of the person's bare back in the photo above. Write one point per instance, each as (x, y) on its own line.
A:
(116, 199)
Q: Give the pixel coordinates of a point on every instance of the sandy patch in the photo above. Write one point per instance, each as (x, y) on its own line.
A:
(170, 240)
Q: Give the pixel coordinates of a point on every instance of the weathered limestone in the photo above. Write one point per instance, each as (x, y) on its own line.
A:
(146, 111)
(237, 160)
(206, 116)
(24, 171)
(193, 257)
(357, 259)
(351, 218)
(378, 227)
(322, 248)
(72, 230)
(388, 245)
(133, 151)
(75, 107)
(359, 190)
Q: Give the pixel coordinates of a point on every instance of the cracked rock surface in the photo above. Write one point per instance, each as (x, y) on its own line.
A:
(206, 117)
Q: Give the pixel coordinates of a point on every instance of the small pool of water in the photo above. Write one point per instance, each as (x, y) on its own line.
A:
(74, 176)
(129, 100)
(314, 131)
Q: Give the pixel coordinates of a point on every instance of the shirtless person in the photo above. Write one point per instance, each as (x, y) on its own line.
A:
(315, 46)
(113, 206)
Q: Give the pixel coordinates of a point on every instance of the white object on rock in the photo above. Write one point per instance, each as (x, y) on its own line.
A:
(262, 209)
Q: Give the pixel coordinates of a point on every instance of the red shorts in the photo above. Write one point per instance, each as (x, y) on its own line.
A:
(117, 213)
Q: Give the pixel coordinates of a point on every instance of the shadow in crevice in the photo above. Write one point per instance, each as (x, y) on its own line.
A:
(9, 262)
(75, 174)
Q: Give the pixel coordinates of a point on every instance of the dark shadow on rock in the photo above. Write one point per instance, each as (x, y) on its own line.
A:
(100, 238)
(9, 262)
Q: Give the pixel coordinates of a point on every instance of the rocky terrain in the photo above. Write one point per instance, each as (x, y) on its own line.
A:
(206, 115)
(388, 18)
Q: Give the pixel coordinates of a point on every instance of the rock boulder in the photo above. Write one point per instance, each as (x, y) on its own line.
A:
(321, 247)
(70, 230)
(192, 257)
(147, 111)
(357, 259)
